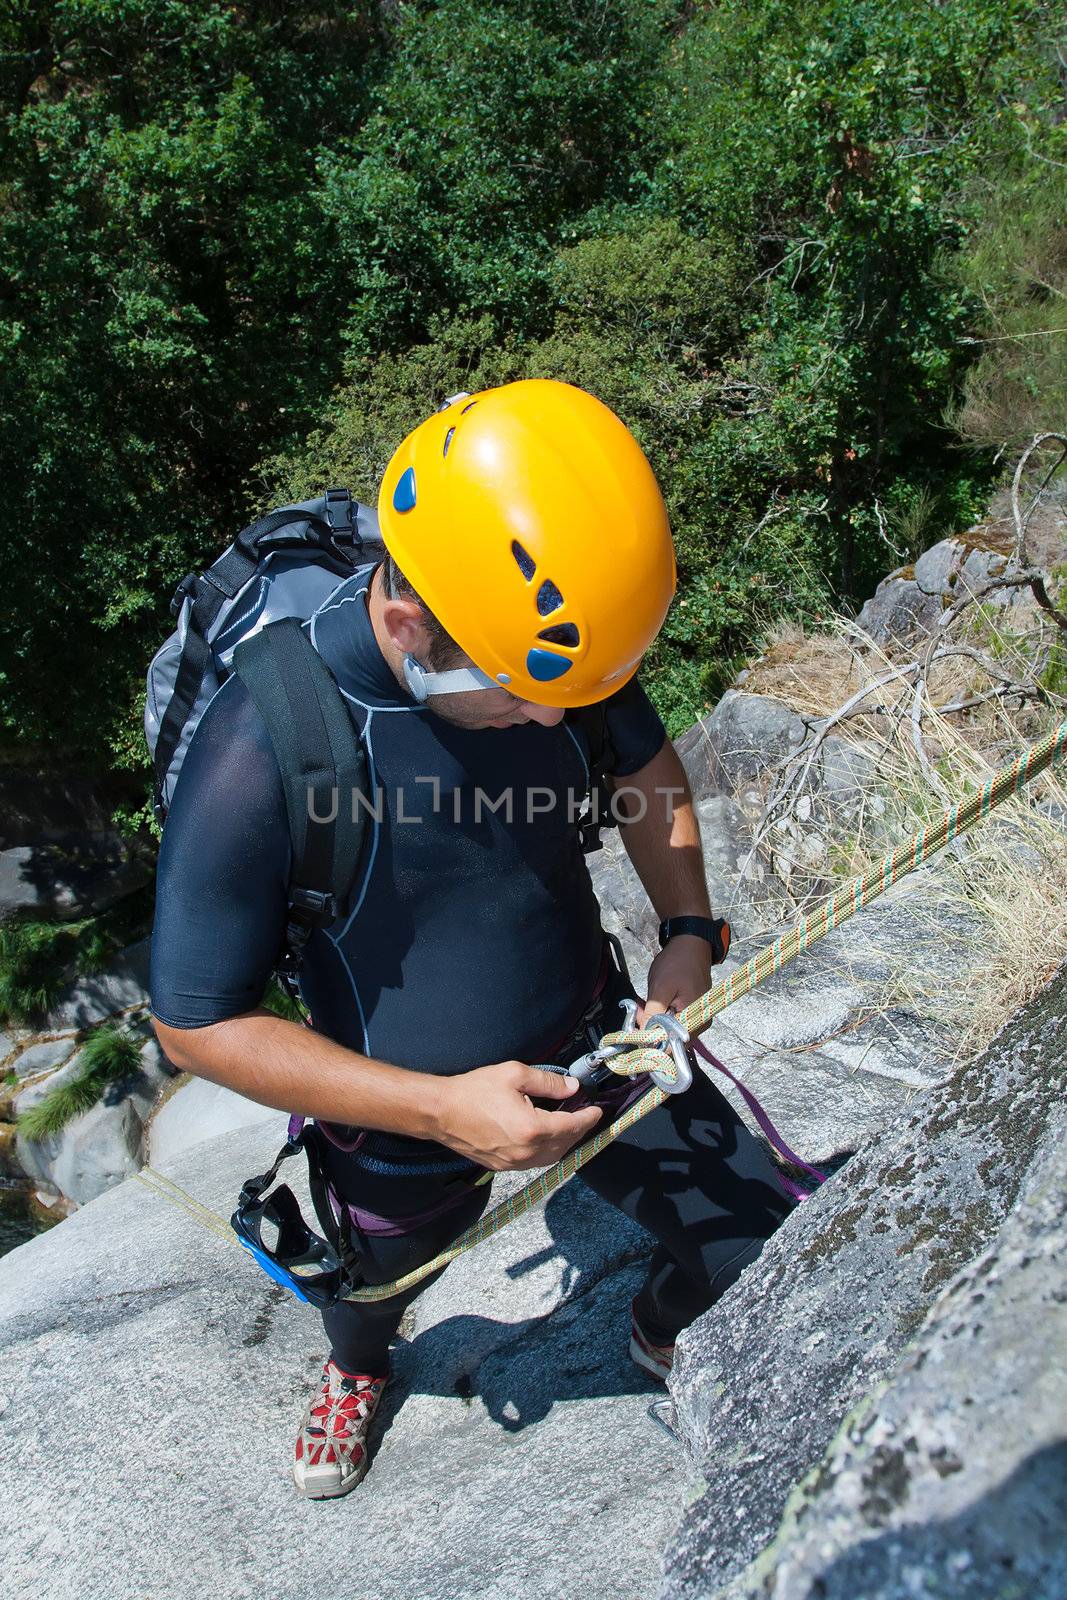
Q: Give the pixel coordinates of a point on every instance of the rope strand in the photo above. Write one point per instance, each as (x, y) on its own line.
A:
(640, 1057)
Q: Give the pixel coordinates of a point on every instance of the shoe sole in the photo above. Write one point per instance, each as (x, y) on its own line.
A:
(310, 1493)
(648, 1363)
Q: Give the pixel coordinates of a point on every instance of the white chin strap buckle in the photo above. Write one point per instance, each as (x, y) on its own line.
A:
(422, 684)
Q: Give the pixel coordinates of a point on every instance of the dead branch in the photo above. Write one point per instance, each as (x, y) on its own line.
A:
(1035, 576)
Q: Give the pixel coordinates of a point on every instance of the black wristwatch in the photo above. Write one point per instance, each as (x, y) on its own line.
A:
(716, 930)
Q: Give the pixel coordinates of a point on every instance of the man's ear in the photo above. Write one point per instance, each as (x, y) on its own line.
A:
(404, 624)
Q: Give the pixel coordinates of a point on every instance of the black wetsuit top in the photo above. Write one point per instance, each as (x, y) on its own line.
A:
(473, 936)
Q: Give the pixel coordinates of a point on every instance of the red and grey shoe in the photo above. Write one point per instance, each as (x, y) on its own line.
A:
(656, 1359)
(331, 1447)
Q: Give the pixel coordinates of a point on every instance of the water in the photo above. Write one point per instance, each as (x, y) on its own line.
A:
(17, 1222)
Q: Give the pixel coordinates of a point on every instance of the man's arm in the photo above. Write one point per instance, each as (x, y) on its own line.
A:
(662, 838)
(485, 1114)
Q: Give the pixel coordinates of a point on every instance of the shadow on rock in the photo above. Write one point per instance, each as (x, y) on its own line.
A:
(577, 1350)
(1010, 1540)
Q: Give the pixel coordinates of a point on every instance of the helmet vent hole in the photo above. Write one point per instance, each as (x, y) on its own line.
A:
(468, 407)
(549, 599)
(563, 633)
(523, 560)
(448, 441)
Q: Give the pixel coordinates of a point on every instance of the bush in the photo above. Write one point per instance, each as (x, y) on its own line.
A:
(765, 233)
(1016, 266)
(37, 959)
(202, 209)
(108, 1055)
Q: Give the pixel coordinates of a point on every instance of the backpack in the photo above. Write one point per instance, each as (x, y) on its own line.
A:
(243, 615)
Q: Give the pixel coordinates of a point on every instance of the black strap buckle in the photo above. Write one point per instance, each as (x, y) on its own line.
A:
(340, 517)
(317, 906)
(186, 590)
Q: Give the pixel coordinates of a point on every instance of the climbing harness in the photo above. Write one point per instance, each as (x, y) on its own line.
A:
(632, 1052)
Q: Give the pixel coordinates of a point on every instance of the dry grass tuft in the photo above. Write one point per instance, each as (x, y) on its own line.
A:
(991, 913)
(812, 672)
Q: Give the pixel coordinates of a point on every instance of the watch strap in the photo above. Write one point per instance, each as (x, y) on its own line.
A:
(715, 930)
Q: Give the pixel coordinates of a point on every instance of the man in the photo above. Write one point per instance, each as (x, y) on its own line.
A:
(529, 567)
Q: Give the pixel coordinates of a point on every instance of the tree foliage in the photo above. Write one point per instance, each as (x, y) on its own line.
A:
(755, 230)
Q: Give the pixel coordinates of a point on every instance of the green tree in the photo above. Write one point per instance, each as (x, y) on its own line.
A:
(202, 209)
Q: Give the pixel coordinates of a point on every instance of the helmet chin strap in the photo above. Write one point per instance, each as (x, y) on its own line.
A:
(422, 684)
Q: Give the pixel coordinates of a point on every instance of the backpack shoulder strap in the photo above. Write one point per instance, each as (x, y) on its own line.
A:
(322, 762)
(597, 812)
(207, 595)
(593, 721)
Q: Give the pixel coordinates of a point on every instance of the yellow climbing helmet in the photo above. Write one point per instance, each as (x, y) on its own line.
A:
(531, 524)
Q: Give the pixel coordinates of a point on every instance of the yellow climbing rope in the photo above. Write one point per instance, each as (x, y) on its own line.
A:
(641, 1057)
(638, 1055)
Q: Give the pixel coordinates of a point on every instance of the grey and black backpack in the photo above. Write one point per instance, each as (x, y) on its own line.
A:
(244, 615)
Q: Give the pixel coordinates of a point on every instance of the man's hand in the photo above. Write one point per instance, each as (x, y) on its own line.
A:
(487, 1115)
(680, 973)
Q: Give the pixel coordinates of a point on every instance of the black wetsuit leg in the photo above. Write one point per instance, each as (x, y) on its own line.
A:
(360, 1334)
(704, 1187)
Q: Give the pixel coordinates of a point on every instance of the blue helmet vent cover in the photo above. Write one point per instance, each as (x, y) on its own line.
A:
(544, 665)
(404, 493)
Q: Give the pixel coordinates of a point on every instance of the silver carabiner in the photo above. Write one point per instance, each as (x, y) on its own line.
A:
(669, 1024)
(591, 1070)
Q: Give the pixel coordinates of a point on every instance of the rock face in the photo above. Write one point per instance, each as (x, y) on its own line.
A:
(766, 1380)
(747, 733)
(957, 1465)
(894, 1353)
(73, 876)
(59, 853)
(167, 1375)
(911, 599)
(103, 1145)
(199, 1110)
(122, 988)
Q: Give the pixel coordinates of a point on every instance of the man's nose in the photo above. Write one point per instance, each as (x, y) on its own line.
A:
(547, 716)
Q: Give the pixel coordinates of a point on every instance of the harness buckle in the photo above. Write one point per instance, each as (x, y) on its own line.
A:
(317, 905)
(338, 509)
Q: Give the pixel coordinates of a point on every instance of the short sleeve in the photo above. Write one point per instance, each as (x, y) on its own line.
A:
(635, 729)
(221, 886)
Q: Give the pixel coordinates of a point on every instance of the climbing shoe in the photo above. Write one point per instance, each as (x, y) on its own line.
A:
(331, 1447)
(656, 1359)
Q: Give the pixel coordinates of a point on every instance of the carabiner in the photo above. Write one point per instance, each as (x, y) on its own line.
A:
(592, 1070)
(679, 1038)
